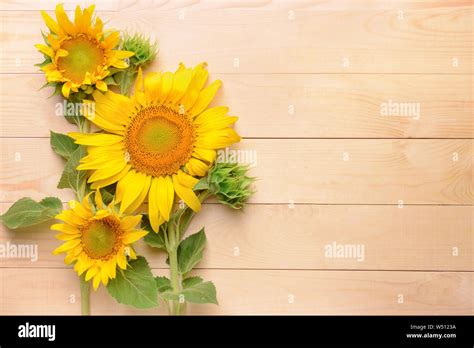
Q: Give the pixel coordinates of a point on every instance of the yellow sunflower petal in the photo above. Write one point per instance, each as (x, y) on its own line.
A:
(165, 193)
(152, 87)
(196, 167)
(205, 154)
(78, 17)
(70, 217)
(92, 272)
(166, 85)
(217, 140)
(105, 172)
(98, 200)
(66, 237)
(96, 281)
(101, 85)
(71, 244)
(186, 179)
(141, 197)
(64, 21)
(121, 54)
(135, 182)
(79, 209)
(121, 259)
(200, 75)
(130, 222)
(132, 237)
(181, 80)
(205, 98)
(86, 19)
(65, 228)
(66, 89)
(50, 23)
(119, 64)
(104, 277)
(186, 194)
(111, 40)
(95, 139)
(45, 49)
(153, 211)
(112, 179)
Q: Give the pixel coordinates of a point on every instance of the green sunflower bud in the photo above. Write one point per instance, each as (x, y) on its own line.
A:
(145, 51)
(229, 183)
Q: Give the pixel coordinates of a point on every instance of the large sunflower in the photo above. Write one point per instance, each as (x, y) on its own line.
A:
(79, 55)
(97, 240)
(158, 141)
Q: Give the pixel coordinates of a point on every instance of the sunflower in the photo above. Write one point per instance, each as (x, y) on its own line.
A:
(79, 55)
(158, 141)
(97, 240)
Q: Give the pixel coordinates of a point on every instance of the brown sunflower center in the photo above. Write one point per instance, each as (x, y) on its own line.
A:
(84, 55)
(101, 239)
(159, 140)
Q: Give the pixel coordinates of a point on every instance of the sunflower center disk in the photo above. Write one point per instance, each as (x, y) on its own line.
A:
(159, 140)
(101, 238)
(83, 56)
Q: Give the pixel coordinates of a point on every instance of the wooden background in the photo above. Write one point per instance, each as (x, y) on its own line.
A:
(330, 62)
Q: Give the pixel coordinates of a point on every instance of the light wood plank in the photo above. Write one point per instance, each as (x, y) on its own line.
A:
(295, 170)
(134, 5)
(69, 5)
(280, 237)
(49, 291)
(286, 105)
(305, 39)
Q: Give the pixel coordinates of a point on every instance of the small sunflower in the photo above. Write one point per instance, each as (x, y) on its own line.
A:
(78, 54)
(97, 240)
(158, 141)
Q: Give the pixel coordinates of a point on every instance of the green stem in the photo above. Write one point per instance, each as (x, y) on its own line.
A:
(176, 307)
(84, 127)
(85, 297)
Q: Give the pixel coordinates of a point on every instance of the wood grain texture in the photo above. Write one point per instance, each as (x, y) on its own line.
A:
(276, 39)
(286, 237)
(288, 106)
(307, 79)
(50, 291)
(300, 170)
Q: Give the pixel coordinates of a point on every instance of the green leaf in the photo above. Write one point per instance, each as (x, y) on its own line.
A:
(63, 144)
(27, 212)
(190, 251)
(53, 203)
(195, 290)
(153, 239)
(191, 281)
(108, 193)
(163, 284)
(135, 286)
(72, 178)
